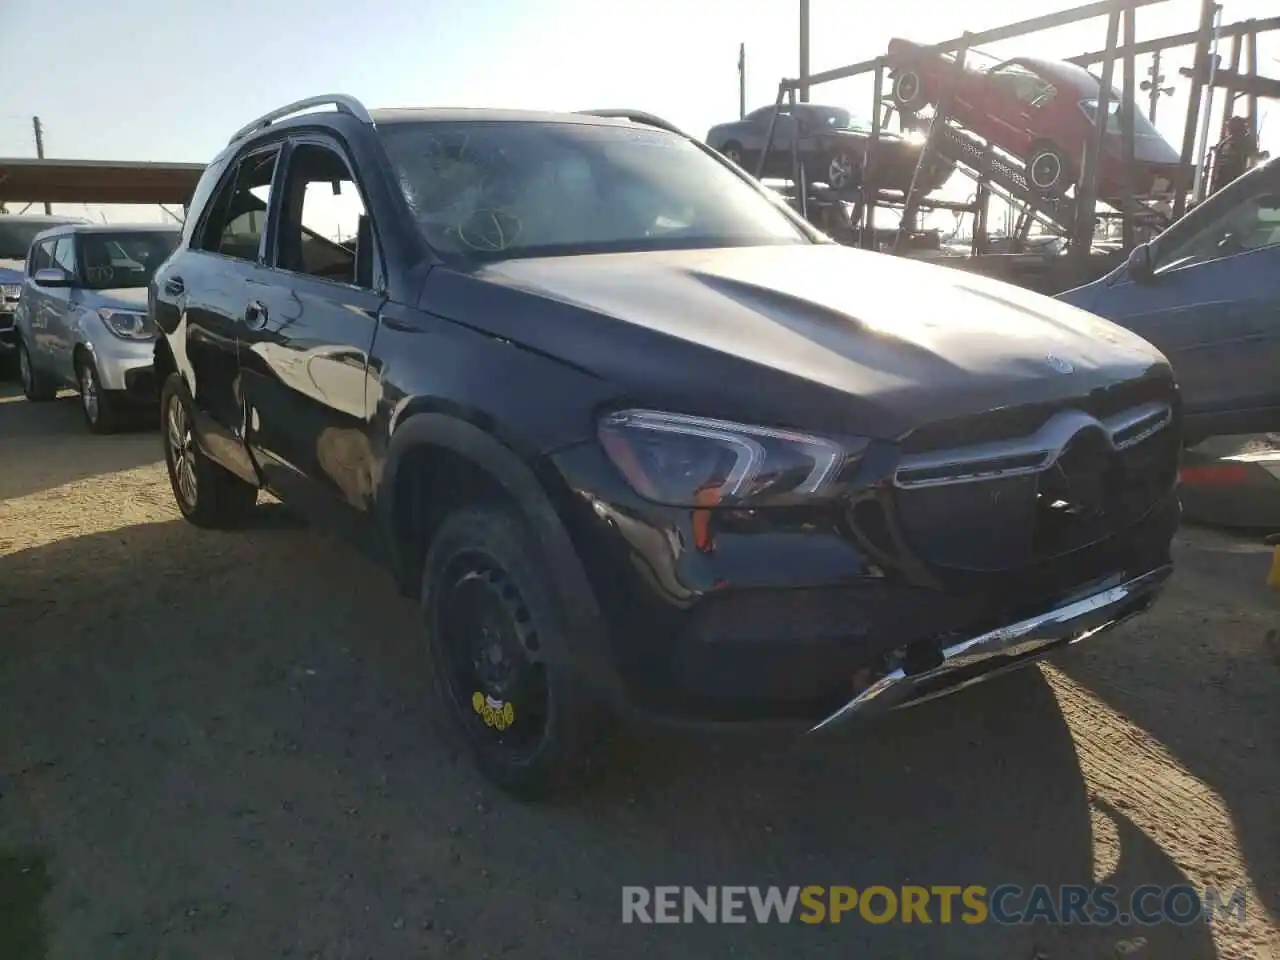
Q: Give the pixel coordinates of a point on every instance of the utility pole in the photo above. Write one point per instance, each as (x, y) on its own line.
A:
(804, 51)
(1153, 87)
(742, 81)
(39, 131)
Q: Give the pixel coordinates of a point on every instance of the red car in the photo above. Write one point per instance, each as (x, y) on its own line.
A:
(1041, 111)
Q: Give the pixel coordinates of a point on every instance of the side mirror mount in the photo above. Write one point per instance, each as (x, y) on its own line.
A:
(51, 277)
(1140, 265)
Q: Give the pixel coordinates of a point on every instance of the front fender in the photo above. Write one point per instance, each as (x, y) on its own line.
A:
(585, 641)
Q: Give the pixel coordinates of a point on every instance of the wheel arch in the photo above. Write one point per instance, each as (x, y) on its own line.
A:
(162, 360)
(430, 454)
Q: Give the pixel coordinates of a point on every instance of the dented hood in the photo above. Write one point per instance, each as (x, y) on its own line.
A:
(819, 336)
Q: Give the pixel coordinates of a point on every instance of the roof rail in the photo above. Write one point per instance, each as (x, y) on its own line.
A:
(635, 116)
(344, 102)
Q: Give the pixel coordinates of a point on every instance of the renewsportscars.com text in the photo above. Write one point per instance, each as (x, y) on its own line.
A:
(973, 904)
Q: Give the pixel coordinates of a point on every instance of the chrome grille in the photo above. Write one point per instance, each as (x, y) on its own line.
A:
(1035, 453)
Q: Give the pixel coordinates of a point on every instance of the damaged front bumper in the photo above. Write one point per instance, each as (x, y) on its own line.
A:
(981, 657)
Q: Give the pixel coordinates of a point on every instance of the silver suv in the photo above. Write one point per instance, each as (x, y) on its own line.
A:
(82, 317)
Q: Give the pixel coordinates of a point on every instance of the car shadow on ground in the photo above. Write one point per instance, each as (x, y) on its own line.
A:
(225, 740)
(50, 438)
(1228, 678)
(24, 883)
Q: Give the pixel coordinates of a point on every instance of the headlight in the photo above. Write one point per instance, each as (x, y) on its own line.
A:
(10, 291)
(128, 325)
(698, 462)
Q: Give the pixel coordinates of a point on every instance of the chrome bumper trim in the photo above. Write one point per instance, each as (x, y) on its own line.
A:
(1068, 623)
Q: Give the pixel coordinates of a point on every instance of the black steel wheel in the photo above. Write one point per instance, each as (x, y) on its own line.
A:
(733, 151)
(493, 625)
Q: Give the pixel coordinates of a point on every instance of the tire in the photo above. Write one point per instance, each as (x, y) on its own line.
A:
(910, 95)
(844, 171)
(1049, 171)
(732, 150)
(36, 387)
(102, 413)
(207, 494)
(491, 616)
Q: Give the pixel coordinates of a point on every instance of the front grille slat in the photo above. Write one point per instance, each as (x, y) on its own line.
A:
(1081, 476)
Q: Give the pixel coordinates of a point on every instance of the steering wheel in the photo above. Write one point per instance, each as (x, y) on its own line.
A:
(489, 230)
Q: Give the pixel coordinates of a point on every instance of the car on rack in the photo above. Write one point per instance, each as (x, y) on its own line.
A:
(1207, 293)
(833, 145)
(641, 441)
(1040, 111)
(16, 234)
(82, 318)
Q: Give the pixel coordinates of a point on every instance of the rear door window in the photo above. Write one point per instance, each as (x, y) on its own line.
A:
(237, 219)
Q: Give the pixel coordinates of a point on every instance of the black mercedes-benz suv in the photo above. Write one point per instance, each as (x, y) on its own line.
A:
(641, 441)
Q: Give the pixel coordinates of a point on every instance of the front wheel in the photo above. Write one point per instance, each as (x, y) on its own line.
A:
(100, 409)
(494, 627)
(733, 151)
(1049, 170)
(207, 494)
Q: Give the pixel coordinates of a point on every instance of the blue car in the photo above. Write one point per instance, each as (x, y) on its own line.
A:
(1206, 292)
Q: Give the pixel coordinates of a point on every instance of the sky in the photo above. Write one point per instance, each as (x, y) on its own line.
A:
(171, 81)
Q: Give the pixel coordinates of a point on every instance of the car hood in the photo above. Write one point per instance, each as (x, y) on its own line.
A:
(819, 336)
(122, 298)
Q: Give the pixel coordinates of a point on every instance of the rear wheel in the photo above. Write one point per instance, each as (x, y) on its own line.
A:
(493, 624)
(910, 95)
(207, 494)
(35, 385)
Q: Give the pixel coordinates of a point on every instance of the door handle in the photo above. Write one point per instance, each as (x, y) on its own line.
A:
(255, 315)
(174, 286)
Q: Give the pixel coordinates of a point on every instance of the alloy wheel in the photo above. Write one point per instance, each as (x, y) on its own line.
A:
(840, 171)
(907, 87)
(1046, 170)
(24, 370)
(89, 392)
(181, 451)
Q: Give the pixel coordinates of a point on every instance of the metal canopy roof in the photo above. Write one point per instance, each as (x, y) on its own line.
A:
(97, 181)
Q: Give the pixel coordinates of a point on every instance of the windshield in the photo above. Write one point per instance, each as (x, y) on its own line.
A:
(497, 190)
(118, 260)
(16, 236)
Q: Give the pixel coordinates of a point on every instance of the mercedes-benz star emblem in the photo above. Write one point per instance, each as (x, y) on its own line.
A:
(1058, 364)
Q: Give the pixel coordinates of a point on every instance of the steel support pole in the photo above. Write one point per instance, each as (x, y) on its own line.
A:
(1199, 70)
(870, 192)
(1087, 185)
(1127, 108)
(804, 51)
(1203, 138)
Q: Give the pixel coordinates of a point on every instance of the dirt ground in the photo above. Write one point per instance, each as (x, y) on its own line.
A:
(216, 745)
